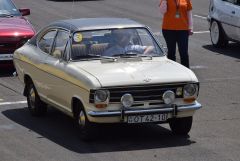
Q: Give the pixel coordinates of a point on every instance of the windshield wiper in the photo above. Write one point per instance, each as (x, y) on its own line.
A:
(126, 55)
(6, 15)
(94, 57)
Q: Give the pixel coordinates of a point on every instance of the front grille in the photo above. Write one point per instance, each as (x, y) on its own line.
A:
(9, 44)
(7, 48)
(140, 93)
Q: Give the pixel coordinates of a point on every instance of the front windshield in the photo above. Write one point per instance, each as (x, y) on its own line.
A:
(8, 9)
(114, 43)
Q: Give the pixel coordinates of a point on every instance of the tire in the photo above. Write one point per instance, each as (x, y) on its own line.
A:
(181, 126)
(217, 35)
(35, 105)
(87, 130)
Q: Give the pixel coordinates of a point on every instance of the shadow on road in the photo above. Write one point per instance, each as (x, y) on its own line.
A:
(231, 50)
(59, 128)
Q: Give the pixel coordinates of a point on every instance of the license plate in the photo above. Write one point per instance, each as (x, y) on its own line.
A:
(6, 57)
(147, 118)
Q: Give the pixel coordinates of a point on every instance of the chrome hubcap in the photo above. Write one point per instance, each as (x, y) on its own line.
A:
(32, 97)
(215, 32)
(82, 119)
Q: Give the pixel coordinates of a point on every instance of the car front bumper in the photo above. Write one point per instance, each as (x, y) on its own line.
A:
(173, 110)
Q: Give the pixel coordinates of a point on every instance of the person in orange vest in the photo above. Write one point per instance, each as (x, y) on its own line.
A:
(177, 25)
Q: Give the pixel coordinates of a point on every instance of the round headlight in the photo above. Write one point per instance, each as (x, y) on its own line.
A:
(190, 90)
(168, 97)
(101, 96)
(127, 100)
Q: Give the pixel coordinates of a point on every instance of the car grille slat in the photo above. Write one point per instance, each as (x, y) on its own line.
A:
(139, 93)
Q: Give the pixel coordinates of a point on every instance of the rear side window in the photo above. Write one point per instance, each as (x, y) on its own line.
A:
(45, 43)
(60, 44)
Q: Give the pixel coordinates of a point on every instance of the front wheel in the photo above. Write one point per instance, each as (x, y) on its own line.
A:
(181, 126)
(217, 35)
(35, 105)
(87, 129)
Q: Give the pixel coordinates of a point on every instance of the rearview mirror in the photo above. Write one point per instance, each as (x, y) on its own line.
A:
(24, 11)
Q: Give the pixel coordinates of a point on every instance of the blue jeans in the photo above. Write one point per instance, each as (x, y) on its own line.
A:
(179, 37)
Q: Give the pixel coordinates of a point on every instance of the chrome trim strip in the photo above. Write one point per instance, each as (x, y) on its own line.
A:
(195, 106)
(6, 57)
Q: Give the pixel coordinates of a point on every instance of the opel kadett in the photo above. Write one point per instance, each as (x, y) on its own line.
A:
(106, 70)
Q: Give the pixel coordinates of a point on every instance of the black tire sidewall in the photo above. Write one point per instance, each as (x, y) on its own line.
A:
(181, 126)
(88, 131)
(40, 107)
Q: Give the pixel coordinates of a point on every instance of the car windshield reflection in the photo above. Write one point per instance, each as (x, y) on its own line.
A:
(7, 9)
(129, 42)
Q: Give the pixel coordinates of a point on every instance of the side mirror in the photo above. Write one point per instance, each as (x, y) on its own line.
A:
(24, 11)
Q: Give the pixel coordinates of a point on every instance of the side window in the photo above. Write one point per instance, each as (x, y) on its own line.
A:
(60, 44)
(46, 41)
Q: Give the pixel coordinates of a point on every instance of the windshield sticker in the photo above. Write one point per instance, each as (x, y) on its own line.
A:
(77, 37)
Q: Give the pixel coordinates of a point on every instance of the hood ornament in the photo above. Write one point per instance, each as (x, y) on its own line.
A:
(147, 80)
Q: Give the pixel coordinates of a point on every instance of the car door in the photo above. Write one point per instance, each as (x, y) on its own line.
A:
(228, 17)
(57, 79)
(44, 45)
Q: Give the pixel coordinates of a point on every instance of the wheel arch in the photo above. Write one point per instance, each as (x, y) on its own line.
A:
(76, 105)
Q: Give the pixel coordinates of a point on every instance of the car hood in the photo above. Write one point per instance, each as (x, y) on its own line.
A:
(160, 70)
(15, 26)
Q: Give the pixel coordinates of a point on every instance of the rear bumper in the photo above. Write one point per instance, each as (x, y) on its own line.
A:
(127, 112)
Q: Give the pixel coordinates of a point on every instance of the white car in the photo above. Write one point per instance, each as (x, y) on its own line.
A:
(72, 65)
(224, 19)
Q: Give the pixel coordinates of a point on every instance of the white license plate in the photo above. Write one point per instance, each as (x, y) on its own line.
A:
(6, 57)
(147, 118)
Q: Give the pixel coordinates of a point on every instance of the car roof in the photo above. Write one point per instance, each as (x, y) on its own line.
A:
(95, 23)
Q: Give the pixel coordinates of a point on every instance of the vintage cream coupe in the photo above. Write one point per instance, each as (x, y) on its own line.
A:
(106, 70)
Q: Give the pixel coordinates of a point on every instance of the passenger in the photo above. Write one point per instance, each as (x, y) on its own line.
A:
(122, 45)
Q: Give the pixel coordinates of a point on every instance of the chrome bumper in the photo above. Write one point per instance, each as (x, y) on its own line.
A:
(173, 109)
(4, 57)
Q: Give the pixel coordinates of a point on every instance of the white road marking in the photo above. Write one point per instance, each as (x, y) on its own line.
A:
(200, 32)
(202, 17)
(6, 127)
(195, 32)
(198, 67)
(222, 79)
(12, 103)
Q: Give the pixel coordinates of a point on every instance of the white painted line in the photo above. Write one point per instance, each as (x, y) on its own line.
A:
(223, 79)
(201, 32)
(198, 67)
(157, 33)
(7, 127)
(195, 32)
(12, 103)
(202, 17)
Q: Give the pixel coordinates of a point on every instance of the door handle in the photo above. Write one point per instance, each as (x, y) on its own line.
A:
(233, 12)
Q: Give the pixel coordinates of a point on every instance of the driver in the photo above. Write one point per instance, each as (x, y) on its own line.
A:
(122, 44)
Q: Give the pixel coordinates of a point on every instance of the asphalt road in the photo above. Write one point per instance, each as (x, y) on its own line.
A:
(215, 132)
